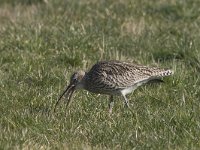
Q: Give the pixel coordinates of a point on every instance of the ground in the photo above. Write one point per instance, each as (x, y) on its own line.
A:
(42, 42)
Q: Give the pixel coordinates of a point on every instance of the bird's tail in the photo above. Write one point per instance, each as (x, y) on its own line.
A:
(164, 73)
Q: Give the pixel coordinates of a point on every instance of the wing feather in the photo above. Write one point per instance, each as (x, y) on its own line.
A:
(119, 75)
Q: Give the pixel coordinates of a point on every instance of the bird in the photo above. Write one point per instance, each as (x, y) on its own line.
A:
(112, 78)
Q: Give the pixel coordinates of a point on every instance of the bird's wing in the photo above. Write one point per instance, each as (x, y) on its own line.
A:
(115, 74)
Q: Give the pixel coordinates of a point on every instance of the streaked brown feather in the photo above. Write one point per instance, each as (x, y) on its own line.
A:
(117, 75)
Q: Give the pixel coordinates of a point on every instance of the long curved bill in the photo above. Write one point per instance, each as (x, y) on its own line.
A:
(69, 92)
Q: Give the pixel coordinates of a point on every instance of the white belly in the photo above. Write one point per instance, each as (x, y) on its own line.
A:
(129, 90)
(132, 88)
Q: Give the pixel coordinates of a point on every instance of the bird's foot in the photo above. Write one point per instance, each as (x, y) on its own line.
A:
(110, 111)
(126, 105)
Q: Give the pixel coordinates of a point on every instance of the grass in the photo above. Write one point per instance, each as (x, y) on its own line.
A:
(43, 42)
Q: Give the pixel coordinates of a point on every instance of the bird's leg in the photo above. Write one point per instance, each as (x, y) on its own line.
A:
(125, 100)
(111, 104)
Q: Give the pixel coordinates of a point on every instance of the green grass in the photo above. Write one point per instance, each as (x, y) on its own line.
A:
(43, 42)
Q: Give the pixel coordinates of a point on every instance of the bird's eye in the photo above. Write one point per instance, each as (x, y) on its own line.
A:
(75, 79)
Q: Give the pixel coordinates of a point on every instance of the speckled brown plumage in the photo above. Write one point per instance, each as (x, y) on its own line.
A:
(114, 78)
(107, 77)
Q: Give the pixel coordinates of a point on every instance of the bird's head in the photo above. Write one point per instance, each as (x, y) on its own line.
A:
(76, 79)
(76, 82)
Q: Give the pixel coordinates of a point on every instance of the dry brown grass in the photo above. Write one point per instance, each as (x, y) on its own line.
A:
(133, 26)
(13, 14)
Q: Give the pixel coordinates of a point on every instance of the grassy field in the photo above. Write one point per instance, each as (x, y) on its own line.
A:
(43, 41)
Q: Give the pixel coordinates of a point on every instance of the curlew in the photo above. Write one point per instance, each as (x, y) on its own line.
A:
(113, 78)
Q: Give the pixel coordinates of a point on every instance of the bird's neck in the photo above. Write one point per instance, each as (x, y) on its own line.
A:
(81, 85)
